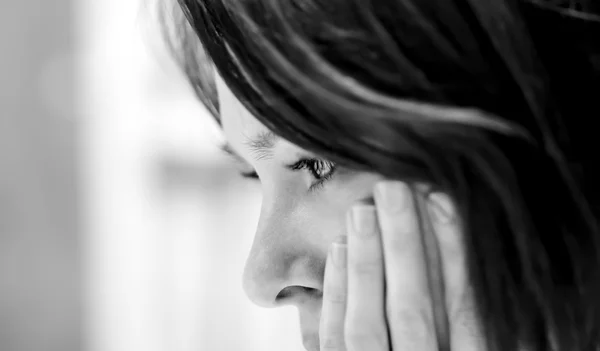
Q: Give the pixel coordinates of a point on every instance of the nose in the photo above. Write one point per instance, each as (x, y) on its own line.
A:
(283, 268)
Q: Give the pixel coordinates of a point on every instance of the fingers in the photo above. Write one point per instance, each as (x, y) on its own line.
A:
(450, 240)
(365, 327)
(377, 292)
(333, 311)
(464, 327)
(409, 309)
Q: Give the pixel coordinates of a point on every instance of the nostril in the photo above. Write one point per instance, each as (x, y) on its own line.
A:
(284, 294)
(296, 292)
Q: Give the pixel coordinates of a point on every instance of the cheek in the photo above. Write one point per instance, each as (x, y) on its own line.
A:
(350, 189)
(324, 213)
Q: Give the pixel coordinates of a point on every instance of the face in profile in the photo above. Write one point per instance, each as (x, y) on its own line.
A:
(304, 203)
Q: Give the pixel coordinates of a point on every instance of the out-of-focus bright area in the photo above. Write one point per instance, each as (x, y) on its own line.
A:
(122, 228)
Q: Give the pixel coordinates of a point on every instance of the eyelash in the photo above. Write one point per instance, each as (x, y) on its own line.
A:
(312, 165)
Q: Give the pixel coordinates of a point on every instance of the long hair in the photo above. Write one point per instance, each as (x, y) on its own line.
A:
(490, 101)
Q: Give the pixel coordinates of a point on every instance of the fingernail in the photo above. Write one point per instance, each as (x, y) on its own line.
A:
(440, 208)
(338, 255)
(363, 219)
(394, 195)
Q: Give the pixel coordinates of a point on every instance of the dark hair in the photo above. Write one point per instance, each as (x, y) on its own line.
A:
(491, 101)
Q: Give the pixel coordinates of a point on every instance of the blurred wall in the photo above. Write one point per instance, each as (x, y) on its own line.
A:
(121, 227)
(39, 256)
(168, 222)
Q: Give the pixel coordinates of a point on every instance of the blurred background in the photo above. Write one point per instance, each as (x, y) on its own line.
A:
(122, 228)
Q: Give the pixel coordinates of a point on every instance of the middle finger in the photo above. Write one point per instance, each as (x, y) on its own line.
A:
(365, 326)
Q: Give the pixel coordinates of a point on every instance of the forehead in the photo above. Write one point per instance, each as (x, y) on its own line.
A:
(238, 123)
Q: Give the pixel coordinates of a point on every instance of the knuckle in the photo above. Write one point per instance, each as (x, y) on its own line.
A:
(394, 196)
(409, 323)
(333, 289)
(357, 340)
(332, 342)
(364, 266)
(335, 297)
(405, 316)
(363, 222)
(366, 339)
(400, 238)
(399, 233)
(394, 210)
(401, 243)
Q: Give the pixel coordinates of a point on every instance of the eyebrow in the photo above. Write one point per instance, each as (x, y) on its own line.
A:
(260, 145)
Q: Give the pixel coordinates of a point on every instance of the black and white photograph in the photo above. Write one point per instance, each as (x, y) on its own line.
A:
(300, 175)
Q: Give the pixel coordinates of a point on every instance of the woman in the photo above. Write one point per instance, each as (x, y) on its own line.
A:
(481, 109)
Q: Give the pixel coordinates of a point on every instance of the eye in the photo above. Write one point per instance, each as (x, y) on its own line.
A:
(320, 170)
(251, 175)
(246, 171)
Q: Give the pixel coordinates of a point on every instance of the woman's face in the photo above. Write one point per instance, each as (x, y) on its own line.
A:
(303, 211)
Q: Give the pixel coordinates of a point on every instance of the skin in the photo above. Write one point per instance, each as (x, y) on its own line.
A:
(346, 304)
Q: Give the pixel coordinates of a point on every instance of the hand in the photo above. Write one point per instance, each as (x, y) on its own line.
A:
(379, 292)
